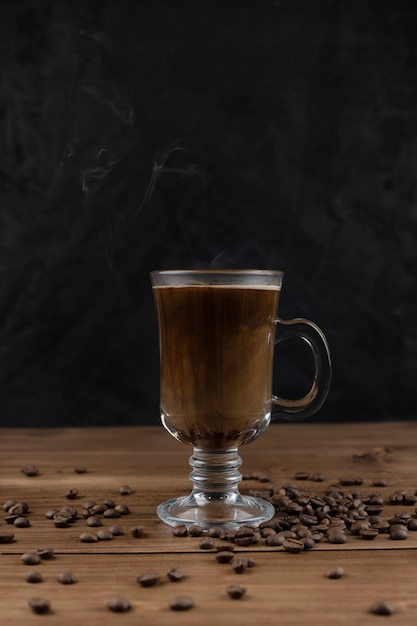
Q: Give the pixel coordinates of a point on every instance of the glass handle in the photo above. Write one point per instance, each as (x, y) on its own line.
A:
(309, 404)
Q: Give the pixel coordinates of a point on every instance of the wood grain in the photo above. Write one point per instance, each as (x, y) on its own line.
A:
(282, 588)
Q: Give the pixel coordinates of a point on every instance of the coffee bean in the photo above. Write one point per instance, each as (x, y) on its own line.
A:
(30, 470)
(195, 530)
(71, 494)
(308, 542)
(104, 534)
(381, 608)
(293, 545)
(148, 579)
(30, 559)
(175, 574)
(116, 530)
(205, 544)
(335, 572)
(223, 546)
(348, 480)
(412, 524)
(21, 522)
(180, 530)
(224, 556)
(118, 604)
(39, 605)
(94, 521)
(19, 508)
(66, 578)
(398, 531)
(80, 469)
(380, 482)
(46, 553)
(8, 504)
(123, 509)
(111, 513)
(216, 532)
(240, 564)
(137, 531)
(369, 533)
(6, 537)
(109, 504)
(50, 514)
(33, 577)
(88, 538)
(125, 490)
(274, 540)
(317, 477)
(302, 476)
(235, 591)
(181, 603)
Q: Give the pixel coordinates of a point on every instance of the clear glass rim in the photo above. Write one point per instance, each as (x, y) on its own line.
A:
(217, 276)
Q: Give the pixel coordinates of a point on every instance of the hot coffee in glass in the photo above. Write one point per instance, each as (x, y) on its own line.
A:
(217, 332)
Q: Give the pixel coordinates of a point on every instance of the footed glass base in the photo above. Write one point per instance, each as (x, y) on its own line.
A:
(228, 511)
(215, 499)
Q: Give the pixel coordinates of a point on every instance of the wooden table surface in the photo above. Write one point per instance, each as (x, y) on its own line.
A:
(282, 588)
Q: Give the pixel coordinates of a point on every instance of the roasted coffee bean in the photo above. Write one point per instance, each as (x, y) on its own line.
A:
(235, 591)
(10, 519)
(317, 477)
(302, 476)
(381, 608)
(148, 579)
(118, 604)
(195, 530)
(175, 574)
(358, 526)
(88, 538)
(225, 556)
(335, 572)
(308, 542)
(116, 530)
(398, 531)
(274, 540)
(98, 509)
(33, 577)
(60, 521)
(8, 505)
(180, 531)
(109, 504)
(39, 605)
(240, 564)
(123, 509)
(380, 482)
(21, 522)
(293, 545)
(80, 469)
(346, 481)
(19, 508)
(223, 546)
(216, 532)
(137, 531)
(94, 521)
(46, 553)
(244, 541)
(336, 535)
(181, 603)
(50, 514)
(229, 535)
(369, 533)
(71, 494)
(66, 578)
(206, 544)
(30, 559)
(104, 534)
(125, 490)
(30, 470)
(111, 513)
(6, 537)
(412, 524)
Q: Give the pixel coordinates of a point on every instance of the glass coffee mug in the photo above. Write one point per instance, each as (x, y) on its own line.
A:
(217, 333)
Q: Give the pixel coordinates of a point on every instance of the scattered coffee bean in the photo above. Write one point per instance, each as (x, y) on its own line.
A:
(50, 514)
(125, 490)
(8, 504)
(148, 579)
(80, 469)
(94, 521)
(398, 531)
(88, 538)
(206, 544)
(118, 604)
(111, 513)
(216, 532)
(240, 564)
(335, 572)
(412, 524)
(195, 530)
(222, 547)
(66, 578)
(137, 531)
(349, 481)
(369, 533)
(71, 494)
(181, 603)
(33, 577)
(302, 476)
(175, 574)
(123, 509)
(19, 508)
(116, 530)
(380, 482)
(46, 553)
(235, 591)
(6, 537)
(381, 608)
(317, 477)
(30, 470)
(109, 504)
(21, 522)
(30, 559)
(39, 605)
(225, 556)
(180, 530)
(104, 534)
(293, 545)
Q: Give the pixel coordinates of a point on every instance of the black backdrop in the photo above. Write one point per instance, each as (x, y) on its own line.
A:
(142, 135)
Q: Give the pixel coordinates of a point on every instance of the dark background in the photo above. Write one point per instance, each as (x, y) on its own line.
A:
(144, 135)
